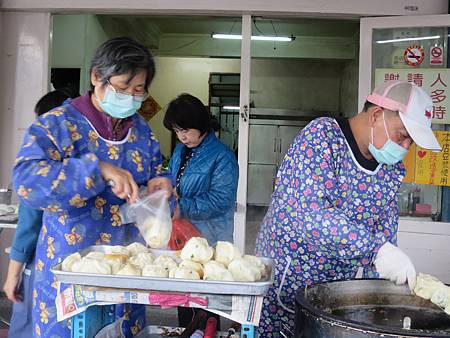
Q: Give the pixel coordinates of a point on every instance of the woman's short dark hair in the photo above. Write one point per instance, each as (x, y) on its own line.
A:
(120, 56)
(49, 101)
(187, 112)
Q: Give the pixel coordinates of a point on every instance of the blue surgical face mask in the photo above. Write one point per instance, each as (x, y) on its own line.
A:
(118, 105)
(390, 153)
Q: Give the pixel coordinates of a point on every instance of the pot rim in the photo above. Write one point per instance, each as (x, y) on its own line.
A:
(304, 305)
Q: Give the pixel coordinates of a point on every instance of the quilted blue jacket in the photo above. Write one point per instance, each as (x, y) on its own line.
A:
(208, 188)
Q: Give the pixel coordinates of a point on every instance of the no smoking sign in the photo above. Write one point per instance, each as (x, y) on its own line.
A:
(436, 56)
(414, 55)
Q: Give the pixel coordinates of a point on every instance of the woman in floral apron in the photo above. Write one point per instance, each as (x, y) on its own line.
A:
(68, 156)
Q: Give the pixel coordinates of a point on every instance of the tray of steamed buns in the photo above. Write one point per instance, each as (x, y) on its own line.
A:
(197, 268)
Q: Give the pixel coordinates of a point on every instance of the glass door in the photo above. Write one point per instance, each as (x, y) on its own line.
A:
(416, 49)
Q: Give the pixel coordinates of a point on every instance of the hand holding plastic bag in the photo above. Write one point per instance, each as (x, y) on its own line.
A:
(152, 215)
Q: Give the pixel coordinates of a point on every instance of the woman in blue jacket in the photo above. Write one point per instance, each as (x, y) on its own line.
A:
(205, 171)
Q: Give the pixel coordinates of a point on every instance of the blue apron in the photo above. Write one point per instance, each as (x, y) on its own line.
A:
(57, 169)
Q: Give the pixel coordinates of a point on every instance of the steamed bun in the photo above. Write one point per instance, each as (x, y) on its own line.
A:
(142, 259)
(118, 257)
(69, 261)
(183, 273)
(88, 265)
(116, 249)
(426, 285)
(154, 270)
(156, 232)
(244, 271)
(129, 270)
(95, 255)
(115, 265)
(431, 288)
(256, 261)
(197, 250)
(166, 262)
(192, 266)
(216, 271)
(136, 248)
(441, 296)
(226, 252)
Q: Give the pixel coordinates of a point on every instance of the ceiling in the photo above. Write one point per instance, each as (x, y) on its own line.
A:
(163, 32)
(207, 25)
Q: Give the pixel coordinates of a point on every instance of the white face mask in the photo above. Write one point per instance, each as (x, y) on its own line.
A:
(390, 153)
(118, 106)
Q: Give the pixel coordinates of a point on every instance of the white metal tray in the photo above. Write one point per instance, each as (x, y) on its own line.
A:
(164, 284)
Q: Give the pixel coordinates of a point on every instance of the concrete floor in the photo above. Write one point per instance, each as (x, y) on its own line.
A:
(155, 315)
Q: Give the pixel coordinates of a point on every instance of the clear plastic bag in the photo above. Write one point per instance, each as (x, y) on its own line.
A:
(127, 212)
(152, 215)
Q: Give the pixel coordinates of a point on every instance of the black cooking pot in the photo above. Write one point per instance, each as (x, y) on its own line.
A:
(366, 308)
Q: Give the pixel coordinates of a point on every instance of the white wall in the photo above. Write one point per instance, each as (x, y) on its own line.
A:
(95, 36)
(24, 69)
(75, 39)
(296, 84)
(69, 40)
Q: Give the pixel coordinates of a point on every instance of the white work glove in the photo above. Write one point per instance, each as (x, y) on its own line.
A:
(393, 264)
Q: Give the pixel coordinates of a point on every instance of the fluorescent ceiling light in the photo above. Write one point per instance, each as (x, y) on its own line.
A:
(254, 37)
(231, 107)
(410, 39)
(271, 38)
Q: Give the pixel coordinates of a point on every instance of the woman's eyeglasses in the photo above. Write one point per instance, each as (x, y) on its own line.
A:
(121, 94)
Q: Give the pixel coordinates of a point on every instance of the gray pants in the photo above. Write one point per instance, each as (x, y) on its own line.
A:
(21, 321)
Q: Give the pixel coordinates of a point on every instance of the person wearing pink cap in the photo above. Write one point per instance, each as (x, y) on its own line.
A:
(334, 207)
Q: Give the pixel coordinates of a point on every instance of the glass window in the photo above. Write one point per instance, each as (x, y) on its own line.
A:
(419, 55)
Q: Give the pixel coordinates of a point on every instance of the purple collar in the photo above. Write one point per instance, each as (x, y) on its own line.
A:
(102, 122)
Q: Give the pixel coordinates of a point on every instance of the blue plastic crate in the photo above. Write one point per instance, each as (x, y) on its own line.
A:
(88, 323)
(247, 331)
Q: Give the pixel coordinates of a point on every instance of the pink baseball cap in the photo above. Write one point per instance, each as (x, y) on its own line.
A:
(414, 106)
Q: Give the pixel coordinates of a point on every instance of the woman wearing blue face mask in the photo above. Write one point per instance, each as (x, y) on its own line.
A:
(334, 206)
(69, 156)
